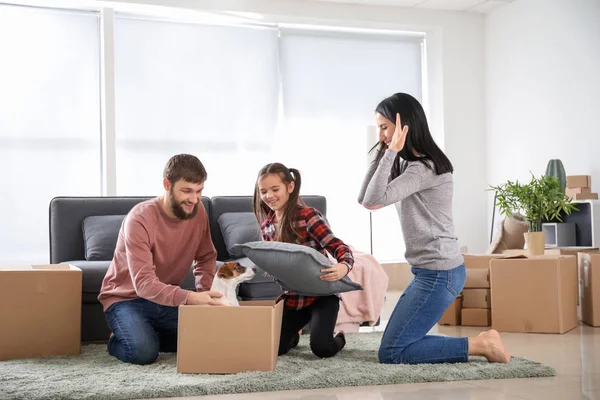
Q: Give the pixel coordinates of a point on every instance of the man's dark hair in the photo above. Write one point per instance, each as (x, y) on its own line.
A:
(186, 167)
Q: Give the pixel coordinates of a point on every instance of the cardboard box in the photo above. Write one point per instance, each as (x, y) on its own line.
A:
(516, 252)
(478, 269)
(40, 311)
(579, 181)
(580, 190)
(477, 298)
(589, 288)
(399, 275)
(573, 195)
(452, 315)
(226, 340)
(477, 278)
(534, 294)
(476, 316)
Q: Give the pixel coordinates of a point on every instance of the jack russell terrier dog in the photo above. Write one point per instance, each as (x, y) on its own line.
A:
(228, 277)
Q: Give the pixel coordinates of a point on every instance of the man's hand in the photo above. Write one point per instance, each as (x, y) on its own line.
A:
(204, 299)
(335, 273)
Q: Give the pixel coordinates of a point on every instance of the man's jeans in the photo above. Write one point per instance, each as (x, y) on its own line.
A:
(141, 330)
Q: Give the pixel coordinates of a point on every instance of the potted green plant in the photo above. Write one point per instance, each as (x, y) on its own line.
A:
(539, 201)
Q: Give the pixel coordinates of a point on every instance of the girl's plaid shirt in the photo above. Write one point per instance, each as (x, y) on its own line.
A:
(313, 231)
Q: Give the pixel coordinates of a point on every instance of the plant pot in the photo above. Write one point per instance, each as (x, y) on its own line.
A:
(536, 243)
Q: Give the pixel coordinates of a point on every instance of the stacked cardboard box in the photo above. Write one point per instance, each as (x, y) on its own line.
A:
(476, 305)
(535, 294)
(579, 187)
(472, 307)
(452, 314)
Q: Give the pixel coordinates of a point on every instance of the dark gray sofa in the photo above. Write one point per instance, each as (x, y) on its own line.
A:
(67, 244)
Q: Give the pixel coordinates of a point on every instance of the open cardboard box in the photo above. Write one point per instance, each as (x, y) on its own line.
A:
(227, 340)
(40, 310)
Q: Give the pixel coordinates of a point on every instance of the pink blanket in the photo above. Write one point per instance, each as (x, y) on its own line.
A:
(363, 305)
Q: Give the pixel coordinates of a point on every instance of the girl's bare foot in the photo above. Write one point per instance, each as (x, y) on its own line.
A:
(489, 345)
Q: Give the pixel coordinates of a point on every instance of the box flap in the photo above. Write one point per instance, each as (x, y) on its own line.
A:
(494, 256)
(482, 261)
(40, 267)
(258, 303)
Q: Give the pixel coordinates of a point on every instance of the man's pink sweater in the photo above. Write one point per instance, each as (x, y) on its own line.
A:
(154, 254)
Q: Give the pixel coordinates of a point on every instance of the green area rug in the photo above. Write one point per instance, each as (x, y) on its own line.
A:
(95, 375)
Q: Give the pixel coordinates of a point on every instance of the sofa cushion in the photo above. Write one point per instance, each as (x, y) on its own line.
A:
(296, 267)
(238, 228)
(93, 273)
(100, 233)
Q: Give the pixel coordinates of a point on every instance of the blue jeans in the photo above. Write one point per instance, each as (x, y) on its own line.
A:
(141, 330)
(405, 339)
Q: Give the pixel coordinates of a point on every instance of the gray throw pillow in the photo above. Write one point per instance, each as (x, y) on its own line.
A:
(238, 228)
(100, 234)
(296, 267)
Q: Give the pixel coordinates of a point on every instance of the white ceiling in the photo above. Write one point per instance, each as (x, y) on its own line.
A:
(481, 6)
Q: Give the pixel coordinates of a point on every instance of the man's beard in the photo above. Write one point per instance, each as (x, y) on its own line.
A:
(178, 209)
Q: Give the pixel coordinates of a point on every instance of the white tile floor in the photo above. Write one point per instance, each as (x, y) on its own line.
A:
(575, 355)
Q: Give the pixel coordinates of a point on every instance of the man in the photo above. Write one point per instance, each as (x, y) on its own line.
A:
(158, 242)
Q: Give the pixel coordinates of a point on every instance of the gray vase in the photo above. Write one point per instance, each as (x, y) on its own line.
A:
(555, 168)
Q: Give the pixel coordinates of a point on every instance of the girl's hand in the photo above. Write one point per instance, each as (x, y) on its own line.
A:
(399, 137)
(335, 273)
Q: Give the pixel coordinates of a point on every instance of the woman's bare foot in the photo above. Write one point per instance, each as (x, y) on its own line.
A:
(489, 345)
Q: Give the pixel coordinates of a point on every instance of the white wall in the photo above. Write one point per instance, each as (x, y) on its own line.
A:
(455, 92)
(543, 88)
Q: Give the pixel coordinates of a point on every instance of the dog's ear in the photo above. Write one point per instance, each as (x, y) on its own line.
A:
(225, 271)
(240, 268)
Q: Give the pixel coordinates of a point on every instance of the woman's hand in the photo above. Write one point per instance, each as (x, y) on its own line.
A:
(399, 137)
(335, 273)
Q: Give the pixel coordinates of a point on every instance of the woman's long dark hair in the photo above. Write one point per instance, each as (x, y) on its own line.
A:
(287, 226)
(418, 139)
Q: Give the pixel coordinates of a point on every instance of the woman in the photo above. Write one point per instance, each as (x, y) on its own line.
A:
(411, 172)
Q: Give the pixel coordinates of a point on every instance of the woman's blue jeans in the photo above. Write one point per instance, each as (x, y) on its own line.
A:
(405, 340)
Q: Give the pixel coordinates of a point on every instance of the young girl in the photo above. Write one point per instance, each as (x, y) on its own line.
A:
(412, 172)
(284, 217)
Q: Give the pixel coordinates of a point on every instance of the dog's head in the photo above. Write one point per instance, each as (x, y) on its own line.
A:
(235, 272)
